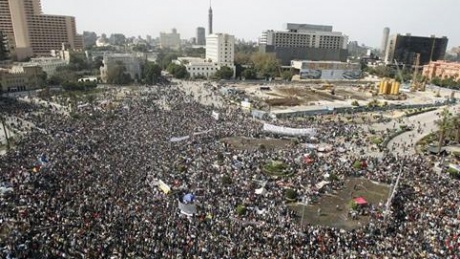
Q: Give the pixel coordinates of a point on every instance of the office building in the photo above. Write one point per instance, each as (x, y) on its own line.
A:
(220, 49)
(200, 36)
(132, 63)
(32, 33)
(404, 49)
(170, 40)
(385, 36)
(305, 42)
(49, 65)
(442, 70)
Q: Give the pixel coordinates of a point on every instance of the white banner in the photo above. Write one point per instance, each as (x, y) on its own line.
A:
(289, 131)
(215, 115)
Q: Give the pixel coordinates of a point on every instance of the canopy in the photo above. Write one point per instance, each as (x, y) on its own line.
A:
(187, 209)
(188, 198)
(360, 201)
(261, 191)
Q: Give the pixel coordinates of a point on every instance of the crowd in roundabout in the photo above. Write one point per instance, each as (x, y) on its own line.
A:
(82, 187)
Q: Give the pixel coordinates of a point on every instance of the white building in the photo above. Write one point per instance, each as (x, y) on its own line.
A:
(170, 40)
(131, 62)
(198, 67)
(220, 49)
(48, 64)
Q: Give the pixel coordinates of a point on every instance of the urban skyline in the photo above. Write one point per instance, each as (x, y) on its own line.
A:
(354, 18)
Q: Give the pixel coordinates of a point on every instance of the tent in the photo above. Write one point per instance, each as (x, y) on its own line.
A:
(187, 209)
(188, 198)
(360, 201)
(321, 184)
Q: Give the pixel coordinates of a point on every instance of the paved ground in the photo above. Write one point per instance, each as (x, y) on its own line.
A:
(201, 93)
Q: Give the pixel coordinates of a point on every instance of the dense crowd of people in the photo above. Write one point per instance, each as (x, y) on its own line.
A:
(82, 187)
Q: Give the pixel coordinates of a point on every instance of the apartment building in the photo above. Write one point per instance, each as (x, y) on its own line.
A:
(32, 33)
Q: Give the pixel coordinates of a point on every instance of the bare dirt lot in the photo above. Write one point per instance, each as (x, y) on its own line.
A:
(330, 216)
(250, 144)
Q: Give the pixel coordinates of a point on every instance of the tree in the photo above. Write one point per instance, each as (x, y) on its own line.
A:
(249, 73)
(78, 61)
(224, 73)
(166, 56)
(444, 125)
(4, 53)
(178, 71)
(152, 73)
(266, 64)
(117, 75)
(287, 75)
(456, 126)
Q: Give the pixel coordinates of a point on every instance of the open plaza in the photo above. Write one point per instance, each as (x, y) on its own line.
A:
(189, 170)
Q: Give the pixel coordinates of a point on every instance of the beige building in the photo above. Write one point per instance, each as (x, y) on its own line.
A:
(131, 62)
(32, 33)
(20, 78)
(170, 40)
(442, 70)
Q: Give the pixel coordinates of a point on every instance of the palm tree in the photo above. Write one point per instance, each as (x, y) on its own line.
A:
(456, 127)
(444, 125)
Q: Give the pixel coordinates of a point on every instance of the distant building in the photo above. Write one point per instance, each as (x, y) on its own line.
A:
(385, 36)
(442, 70)
(32, 33)
(200, 36)
(20, 78)
(305, 42)
(170, 40)
(220, 51)
(404, 49)
(48, 64)
(327, 70)
(131, 62)
(198, 67)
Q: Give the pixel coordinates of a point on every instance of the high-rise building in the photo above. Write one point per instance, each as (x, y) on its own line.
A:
(305, 42)
(383, 46)
(200, 36)
(32, 33)
(404, 49)
(220, 49)
(210, 19)
(170, 40)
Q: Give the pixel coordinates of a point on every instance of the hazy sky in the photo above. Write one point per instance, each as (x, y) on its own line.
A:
(361, 20)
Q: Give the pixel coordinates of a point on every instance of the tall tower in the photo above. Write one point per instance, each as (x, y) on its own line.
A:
(210, 18)
(385, 36)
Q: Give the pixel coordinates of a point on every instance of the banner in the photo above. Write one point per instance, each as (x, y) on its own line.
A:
(179, 139)
(288, 131)
(215, 115)
(246, 105)
(164, 187)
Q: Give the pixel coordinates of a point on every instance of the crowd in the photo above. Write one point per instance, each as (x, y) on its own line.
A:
(92, 196)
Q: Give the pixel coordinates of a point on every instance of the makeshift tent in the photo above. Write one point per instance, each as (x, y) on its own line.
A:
(188, 198)
(187, 209)
(360, 201)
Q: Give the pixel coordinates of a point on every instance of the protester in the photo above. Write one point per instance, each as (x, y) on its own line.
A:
(86, 186)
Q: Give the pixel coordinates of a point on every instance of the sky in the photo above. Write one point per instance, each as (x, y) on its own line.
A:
(361, 20)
